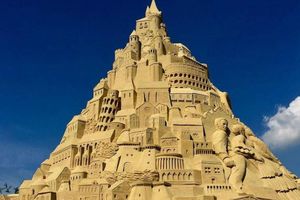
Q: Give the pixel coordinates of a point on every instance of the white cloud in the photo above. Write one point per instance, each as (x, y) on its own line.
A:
(284, 126)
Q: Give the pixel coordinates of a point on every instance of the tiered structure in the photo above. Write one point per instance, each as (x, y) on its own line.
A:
(158, 129)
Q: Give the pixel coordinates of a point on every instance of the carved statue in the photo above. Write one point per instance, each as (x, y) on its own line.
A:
(220, 141)
(106, 150)
(233, 159)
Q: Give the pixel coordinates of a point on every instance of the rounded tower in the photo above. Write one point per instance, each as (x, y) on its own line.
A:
(159, 46)
(110, 106)
(152, 56)
(135, 44)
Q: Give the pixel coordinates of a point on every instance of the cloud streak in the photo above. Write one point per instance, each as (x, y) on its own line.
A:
(284, 126)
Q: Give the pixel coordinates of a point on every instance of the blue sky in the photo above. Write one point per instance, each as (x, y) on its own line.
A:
(52, 53)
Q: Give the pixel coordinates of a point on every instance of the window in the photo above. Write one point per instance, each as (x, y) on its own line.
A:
(207, 170)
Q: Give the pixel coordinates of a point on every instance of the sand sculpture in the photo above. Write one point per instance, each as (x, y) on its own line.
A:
(157, 128)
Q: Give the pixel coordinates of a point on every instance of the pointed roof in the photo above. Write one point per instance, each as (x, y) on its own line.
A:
(133, 33)
(153, 8)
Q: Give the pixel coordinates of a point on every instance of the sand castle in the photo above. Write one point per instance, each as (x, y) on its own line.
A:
(157, 128)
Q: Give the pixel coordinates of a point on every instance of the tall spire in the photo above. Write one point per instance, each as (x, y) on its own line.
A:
(153, 8)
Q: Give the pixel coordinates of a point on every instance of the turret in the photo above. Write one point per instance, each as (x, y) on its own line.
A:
(153, 10)
(135, 44)
(154, 15)
(155, 21)
(154, 66)
(133, 37)
(101, 88)
(159, 45)
(152, 56)
(111, 76)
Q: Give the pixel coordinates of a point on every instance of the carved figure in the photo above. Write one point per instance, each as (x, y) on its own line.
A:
(233, 159)
(220, 141)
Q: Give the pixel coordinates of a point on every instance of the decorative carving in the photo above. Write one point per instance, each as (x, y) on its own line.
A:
(106, 150)
(147, 175)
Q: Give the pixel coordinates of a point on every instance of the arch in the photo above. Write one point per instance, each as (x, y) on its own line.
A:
(127, 167)
(190, 176)
(180, 176)
(169, 176)
(174, 177)
(184, 176)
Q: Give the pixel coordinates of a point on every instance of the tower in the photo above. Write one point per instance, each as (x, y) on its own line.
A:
(154, 15)
(155, 68)
(159, 45)
(111, 104)
(152, 56)
(135, 44)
